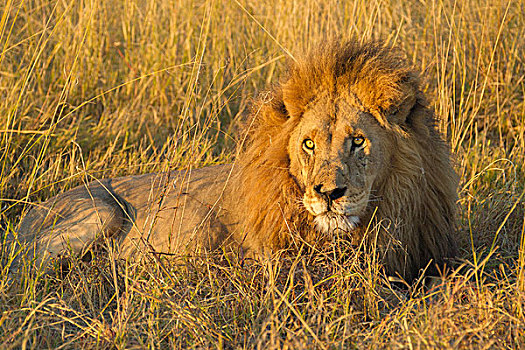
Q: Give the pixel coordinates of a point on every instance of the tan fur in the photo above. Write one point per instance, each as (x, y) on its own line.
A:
(279, 192)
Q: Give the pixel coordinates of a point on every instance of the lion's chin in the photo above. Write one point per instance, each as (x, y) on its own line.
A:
(331, 223)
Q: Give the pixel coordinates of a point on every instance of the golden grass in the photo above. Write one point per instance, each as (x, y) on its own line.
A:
(104, 88)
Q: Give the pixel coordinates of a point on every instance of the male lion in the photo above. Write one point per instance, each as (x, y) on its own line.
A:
(344, 140)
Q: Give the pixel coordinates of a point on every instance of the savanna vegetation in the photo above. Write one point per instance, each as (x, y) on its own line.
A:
(92, 89)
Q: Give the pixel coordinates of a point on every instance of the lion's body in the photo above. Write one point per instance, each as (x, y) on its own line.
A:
(346, 139)
(168, 213)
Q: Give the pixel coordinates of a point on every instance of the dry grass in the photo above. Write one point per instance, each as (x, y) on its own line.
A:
(104, 88)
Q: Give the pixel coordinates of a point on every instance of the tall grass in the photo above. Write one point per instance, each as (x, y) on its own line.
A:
(92, 89)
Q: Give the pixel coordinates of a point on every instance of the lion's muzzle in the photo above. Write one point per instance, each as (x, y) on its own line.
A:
(333, 207)
(320, 199)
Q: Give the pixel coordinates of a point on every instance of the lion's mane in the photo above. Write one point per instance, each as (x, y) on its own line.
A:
(416, 194)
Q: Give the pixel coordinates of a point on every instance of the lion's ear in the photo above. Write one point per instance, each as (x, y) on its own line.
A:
(400, 102)
(298, 91)
(269, 108)
(412, 114)
(399, 112)
(389, 95)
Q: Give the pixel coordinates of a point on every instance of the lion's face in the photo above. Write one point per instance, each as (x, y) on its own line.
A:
(336, 152)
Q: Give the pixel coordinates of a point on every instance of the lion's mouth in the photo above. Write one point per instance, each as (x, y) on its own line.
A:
(330, 223)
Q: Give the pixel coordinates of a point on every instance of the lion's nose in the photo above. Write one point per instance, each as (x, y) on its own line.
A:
(334, 194)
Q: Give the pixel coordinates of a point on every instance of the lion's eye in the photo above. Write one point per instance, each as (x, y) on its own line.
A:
(358, 141)
(308, 145)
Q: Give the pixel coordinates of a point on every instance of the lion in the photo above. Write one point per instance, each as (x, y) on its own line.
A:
(345, 141)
